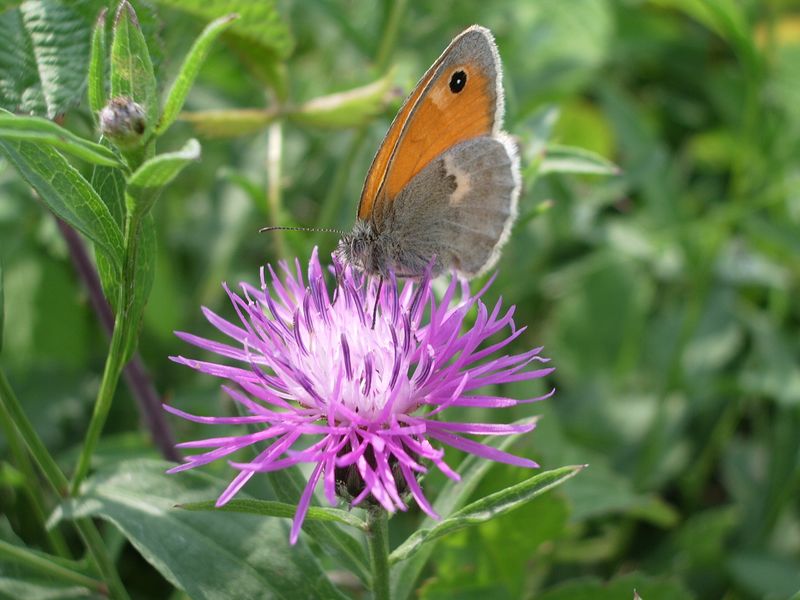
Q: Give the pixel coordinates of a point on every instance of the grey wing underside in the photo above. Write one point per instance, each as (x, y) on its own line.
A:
(459, 208)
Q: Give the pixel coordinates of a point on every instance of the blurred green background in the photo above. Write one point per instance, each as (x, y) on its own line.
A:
(666, 295)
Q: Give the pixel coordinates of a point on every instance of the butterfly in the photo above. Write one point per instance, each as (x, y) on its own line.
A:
(443, 188)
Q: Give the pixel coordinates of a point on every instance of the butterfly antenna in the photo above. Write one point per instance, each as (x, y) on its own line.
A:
(310, 229)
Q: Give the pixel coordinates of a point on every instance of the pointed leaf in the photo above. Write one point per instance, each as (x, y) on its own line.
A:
(568, 159)
(285, 510)
(97, 66)
(148, 180)
(485, 509)
(189, 70)
(43, 131)
(66, 193)
(211, 556)
(132, 73)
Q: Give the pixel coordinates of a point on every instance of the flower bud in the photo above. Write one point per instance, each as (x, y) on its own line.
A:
(123, 122)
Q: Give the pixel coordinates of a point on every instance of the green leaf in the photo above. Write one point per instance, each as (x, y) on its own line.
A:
(44, 49)
(132, 73)
(485, 509)
(568, 159)
(211, 556)
(268, 508)
(2, 308)
(453, 496)
(288, 485)
(591, 588)
(97, 66)
(189, 70)
(229, 123)
(43, 131)
(146, 248)
(66, 193)
(146, 183)
(260, 29)
(346, 109)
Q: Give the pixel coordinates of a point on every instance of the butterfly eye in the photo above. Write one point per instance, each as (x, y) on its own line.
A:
(458, 81)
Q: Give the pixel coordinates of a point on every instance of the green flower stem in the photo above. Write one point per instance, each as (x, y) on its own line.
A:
(40, 563)
(378, 541)
(105, 395)
(58, 481)
(115, 361)
(32, 491)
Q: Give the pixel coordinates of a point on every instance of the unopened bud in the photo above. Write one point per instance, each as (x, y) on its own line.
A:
(123, 121)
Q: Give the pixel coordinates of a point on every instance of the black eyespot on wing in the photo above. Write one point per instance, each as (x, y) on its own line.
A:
(458, 81)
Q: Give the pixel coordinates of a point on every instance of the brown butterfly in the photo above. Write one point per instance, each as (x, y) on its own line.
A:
(444, 184)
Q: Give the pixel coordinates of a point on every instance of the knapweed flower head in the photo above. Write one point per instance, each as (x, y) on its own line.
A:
(364, 403)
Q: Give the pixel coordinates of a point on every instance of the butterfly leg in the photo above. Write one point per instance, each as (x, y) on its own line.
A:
(377, 300)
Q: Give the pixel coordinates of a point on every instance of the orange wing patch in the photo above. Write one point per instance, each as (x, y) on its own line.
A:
(441, 120)
(377, 169)
(435, 117)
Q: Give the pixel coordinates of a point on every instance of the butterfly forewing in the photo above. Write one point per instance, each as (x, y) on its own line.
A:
(459, 98)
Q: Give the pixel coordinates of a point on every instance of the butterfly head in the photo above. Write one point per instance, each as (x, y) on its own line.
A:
(361, 248)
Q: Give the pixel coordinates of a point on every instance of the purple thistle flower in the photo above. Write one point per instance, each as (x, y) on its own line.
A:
(371, 400)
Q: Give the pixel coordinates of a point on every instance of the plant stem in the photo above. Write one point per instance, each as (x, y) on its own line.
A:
(105, 395)
(41, 563)
(136, 377)
(274, 174)
(58, 481)
(31, 489)
(118, 353)
(378, 542)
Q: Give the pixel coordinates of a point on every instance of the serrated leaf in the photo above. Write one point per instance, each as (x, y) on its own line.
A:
(44, 48)
(229, 123)
(346, 109)
(485, 509)
(261, 27)
(149, 179)
(211, 556)
(132, 74)
(66, 193)
(43, 131)
(267, 508)
(569, 159)
(452, 497)
(96, 88)
(189, 70)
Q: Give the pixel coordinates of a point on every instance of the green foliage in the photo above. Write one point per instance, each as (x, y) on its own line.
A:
(656, 258)
(43, 50)
(96, 87)
(199, 552)
(132, 75)
(42, 131)
(189, 70)
(62, 188)
(266, 508)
